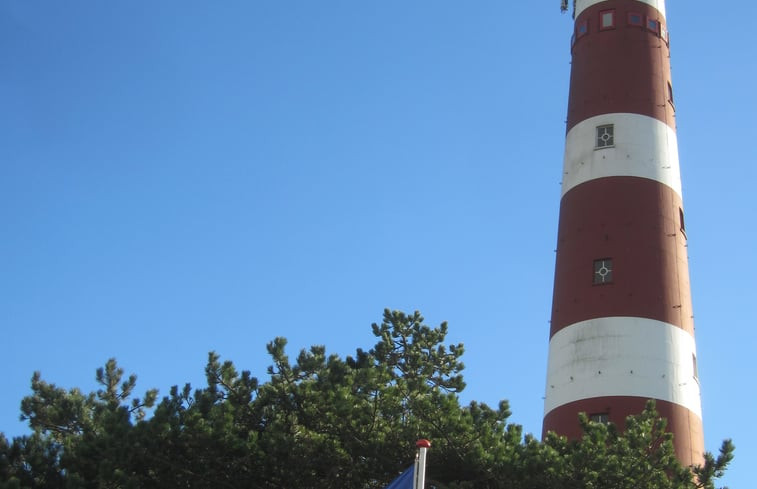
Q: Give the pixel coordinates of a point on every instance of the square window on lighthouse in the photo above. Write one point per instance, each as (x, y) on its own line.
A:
(653, 26)
(603, 418)
(582, 29)
(607, 19)
(603, 271)
(605, 136)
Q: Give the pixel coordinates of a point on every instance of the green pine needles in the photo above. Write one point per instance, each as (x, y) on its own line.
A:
(320, 421)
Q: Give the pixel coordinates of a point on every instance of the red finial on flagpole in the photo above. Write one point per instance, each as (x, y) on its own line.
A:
(420, 464)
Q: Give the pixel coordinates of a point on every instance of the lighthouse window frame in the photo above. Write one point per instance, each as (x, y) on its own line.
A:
(603, 271)
(582, 29)
(603, 418)
(605, 136)
(653, 25)
(606, 20)
(635, 19)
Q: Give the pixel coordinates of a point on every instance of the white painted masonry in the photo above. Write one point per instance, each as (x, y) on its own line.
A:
(622, 356)
(644, 147)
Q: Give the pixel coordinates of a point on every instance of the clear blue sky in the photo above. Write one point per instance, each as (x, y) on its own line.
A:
(185, 176)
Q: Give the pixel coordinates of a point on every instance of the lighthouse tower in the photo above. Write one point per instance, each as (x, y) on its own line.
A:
(622, 328)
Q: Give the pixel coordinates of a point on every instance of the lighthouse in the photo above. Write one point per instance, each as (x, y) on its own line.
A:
(622, 329)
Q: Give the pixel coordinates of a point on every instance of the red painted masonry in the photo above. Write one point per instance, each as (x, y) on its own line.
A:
(636, 222)
(625, 69)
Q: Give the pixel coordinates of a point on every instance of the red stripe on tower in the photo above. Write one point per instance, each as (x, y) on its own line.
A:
(622, 326)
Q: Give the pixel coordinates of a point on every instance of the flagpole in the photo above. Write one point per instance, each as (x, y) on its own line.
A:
(419, 481)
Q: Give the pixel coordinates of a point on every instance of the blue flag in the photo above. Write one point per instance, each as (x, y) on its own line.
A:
(404, 481)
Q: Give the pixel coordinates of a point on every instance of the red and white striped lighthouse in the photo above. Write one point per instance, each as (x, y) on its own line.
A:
(622, 328)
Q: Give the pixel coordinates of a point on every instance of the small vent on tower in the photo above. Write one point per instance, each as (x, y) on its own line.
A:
(605, 136)
(603, 271)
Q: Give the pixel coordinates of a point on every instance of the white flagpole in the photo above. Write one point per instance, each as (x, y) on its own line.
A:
(419, 481)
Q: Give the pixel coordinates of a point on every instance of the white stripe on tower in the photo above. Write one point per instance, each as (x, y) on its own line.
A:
(622, 325)
(644, 147)
(610, 350)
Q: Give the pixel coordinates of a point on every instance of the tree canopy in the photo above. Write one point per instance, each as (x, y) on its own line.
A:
(322, 421)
